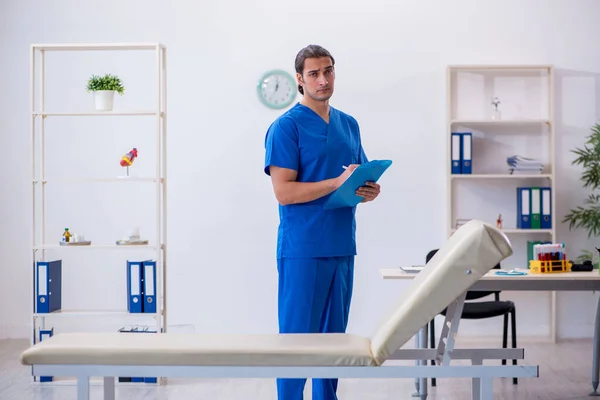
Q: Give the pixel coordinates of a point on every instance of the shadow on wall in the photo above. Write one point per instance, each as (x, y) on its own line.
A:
(577, 107)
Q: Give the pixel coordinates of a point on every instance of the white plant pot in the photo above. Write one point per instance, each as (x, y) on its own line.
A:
(104, 100)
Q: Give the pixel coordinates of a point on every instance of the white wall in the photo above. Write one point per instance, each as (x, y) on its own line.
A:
(391, 61)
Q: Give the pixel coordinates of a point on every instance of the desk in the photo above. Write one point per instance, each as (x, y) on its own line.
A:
(564, 281)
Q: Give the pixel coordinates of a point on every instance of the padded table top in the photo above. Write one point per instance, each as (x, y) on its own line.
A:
(470, 253)
(116, 348)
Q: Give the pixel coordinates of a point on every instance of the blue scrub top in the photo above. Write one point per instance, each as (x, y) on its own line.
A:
(301, 140)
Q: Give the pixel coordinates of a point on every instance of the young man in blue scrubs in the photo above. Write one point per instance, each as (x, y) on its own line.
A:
(307, 149)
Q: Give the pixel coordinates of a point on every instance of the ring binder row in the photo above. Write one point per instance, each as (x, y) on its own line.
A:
(534, 208)
(141, 286)
(461, 153)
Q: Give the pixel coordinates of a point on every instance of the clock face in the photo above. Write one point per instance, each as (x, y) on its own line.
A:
(276, 89)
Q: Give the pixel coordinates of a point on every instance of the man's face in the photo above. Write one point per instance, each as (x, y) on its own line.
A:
(318, 78)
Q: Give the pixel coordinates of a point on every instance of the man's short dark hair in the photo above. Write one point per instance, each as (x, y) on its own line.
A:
(310, 51)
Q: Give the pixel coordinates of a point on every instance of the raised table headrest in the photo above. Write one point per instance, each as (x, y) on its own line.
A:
(467, 255)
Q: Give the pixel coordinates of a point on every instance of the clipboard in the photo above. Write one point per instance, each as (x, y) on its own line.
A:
(345, 195)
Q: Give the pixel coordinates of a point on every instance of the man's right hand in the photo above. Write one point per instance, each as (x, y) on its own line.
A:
(288, 191)
(345, 175)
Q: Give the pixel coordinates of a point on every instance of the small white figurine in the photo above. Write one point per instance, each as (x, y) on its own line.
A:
(496, 115)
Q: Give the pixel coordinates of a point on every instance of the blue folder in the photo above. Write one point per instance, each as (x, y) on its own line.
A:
(345, 195)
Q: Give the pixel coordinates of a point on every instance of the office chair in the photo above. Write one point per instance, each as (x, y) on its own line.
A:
(481, 310)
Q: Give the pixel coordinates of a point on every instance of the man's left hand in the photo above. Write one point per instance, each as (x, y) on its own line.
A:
(369, 192)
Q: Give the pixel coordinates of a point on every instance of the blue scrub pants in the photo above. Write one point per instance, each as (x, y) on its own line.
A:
(314, 297)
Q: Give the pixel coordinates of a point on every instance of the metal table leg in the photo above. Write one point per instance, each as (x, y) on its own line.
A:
(445, 345)
(421, 383)
(109, 388)
(595, 359)
(417, 363)
(83, 387)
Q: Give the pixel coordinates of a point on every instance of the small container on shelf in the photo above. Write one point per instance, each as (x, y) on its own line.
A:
(66, 237)
(74, 239)
(132, 239)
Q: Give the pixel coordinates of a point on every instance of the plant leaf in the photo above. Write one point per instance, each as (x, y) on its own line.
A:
(106, 82)
(588, 215)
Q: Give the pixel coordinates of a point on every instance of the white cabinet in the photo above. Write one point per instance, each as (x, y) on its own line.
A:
(495, 112)
(60, 128)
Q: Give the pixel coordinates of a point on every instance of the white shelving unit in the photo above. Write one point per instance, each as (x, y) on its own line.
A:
(39, 53)
(525, 127)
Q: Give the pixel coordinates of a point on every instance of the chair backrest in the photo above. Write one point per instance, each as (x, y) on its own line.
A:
(471, 295)
(472, 251)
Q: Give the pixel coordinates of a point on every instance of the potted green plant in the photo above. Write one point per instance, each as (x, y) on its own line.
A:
(104, 88)
(587, 216)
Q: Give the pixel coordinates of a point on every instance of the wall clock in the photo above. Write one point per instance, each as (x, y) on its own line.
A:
(276, 89)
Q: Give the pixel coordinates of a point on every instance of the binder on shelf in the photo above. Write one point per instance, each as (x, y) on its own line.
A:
(466, 151)
(45, 334)
(535, 208)
(546, 198)
(134, 286)
(523, 208)
(149, 286)
(455, 152)
(48, 286)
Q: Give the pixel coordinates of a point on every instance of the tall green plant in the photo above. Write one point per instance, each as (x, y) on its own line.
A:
(588, 215)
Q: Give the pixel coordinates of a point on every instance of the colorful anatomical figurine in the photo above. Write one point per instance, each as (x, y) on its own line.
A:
(128, 159)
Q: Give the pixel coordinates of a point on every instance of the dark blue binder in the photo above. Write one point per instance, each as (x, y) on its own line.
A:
(456, 153)
(134, 286)
(345, 195)
(466, 152)
(523, 208)
(546, 207)
(49, 286)
(149, 287)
